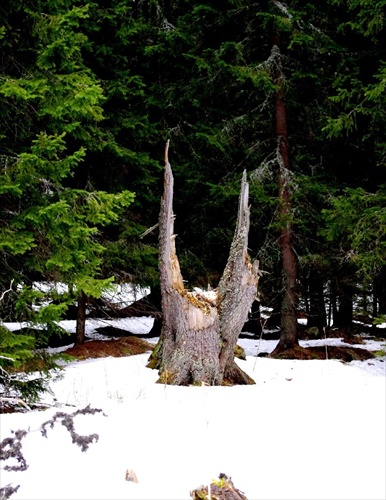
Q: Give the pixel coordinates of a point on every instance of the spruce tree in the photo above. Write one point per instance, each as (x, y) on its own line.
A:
(49, 222)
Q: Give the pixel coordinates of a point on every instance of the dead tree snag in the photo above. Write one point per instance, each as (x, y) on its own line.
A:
(199, 334)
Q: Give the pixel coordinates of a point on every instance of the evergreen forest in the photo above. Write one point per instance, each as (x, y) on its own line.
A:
(293, 93)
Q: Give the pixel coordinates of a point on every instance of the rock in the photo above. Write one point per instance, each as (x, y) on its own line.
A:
(131, 476)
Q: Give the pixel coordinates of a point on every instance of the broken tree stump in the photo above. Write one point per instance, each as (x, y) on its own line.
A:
(199, 333)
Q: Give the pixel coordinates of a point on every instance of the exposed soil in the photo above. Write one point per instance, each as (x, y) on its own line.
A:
(343, 353)
(125, 346)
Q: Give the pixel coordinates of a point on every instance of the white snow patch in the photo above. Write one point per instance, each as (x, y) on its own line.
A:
(305, 430)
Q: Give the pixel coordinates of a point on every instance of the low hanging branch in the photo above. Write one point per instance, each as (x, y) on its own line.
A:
(199, 334)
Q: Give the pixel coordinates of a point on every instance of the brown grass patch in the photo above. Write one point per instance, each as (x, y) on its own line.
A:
(342, 353)
(125, 346)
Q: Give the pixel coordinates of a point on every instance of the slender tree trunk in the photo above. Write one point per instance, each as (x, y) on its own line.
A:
(333, 307)
(199, 333)
(374, 302)
(317, 310)
(289, 330)
(345, 311)
(344, 289)
(81, 319)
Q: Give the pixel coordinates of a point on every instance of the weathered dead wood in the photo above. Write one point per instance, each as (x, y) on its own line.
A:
(238, 285)
(199, 335)
(220, 489)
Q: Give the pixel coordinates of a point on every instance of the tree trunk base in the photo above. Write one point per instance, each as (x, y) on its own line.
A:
(187, 371)
(234, 375)
(283, 347)
(295, 351)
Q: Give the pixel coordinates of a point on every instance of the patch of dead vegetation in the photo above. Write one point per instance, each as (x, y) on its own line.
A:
(117, 348)
(128, 346)
(343, 353)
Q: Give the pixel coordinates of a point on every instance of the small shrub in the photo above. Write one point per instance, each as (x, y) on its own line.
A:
(25, 372)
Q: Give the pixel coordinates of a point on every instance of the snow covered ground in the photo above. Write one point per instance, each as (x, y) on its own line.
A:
(306, 430)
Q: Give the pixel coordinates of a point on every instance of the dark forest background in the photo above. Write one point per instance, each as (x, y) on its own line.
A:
(91, 91)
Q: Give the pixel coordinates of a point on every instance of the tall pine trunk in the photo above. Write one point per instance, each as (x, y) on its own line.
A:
(199, 333)
(288, 324)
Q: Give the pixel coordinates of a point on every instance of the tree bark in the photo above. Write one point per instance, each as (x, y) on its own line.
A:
(81, 319)
(344, 316)
(199, 333)
(288, 325)
(333, 307)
